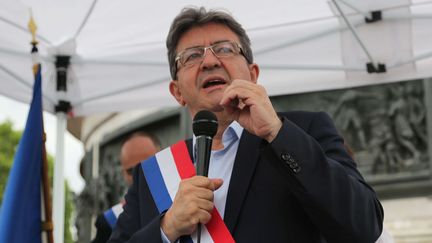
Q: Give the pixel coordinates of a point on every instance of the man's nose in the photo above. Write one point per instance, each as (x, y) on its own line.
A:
(210, 60)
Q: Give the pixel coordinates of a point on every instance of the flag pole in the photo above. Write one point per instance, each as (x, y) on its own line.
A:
(47, 224)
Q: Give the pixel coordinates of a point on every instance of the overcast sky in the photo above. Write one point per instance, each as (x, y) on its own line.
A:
(74, 151)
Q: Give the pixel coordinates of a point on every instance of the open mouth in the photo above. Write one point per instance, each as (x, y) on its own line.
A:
(213, 82)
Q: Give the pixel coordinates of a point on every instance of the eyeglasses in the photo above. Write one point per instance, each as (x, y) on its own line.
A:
(194, 55)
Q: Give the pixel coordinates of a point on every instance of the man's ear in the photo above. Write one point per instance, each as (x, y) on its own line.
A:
(254, 72)
(175, 91)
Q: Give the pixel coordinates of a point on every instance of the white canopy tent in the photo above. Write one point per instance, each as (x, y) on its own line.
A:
(118, 56)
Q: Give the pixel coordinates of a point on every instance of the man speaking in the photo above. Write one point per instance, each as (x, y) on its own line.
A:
(272, 177)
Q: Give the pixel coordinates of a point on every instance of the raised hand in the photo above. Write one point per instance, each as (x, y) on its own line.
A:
(250, 106)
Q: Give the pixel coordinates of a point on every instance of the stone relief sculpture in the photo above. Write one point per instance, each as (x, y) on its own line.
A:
(347, 116)
(382, 146)
(385, 125)
(399, 113)
(392, 132)
(86, 206)
(99, 194)
(112, 187)
(417, 111)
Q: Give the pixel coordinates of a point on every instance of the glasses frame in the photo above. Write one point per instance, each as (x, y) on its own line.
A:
(180, 54)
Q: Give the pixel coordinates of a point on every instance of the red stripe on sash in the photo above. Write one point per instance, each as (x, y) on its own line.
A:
(218, 230)
(182, 160)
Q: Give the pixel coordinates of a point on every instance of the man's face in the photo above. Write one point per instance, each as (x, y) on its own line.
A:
(201, 85)
(134, 151)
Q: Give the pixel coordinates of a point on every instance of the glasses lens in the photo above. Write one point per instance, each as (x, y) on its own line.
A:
(225, 49)
(192, 56)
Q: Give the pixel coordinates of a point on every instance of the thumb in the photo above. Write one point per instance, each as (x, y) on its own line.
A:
(216, 183)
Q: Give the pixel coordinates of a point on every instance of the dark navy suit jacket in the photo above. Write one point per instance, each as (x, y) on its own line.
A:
(103, 228)
(302, 187)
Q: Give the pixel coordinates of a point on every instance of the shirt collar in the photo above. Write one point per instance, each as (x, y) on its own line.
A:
(232, 133)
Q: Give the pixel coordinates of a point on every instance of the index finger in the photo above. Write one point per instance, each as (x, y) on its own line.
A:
(203, 182)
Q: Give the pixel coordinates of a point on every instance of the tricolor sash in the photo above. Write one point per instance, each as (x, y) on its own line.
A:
(111, 215)
(163, 173)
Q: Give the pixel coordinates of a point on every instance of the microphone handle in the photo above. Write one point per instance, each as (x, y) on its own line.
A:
(202, 159)
(202, 154)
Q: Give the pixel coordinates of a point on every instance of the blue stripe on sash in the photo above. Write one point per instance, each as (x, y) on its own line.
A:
(156, 184)
(158, 188)
(110, 218)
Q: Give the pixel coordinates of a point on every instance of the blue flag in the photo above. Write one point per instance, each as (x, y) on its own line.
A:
(20, 212)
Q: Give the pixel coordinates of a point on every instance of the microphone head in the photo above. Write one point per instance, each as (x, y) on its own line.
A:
(205, 123)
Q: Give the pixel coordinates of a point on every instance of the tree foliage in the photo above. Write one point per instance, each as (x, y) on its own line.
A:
(9, 140)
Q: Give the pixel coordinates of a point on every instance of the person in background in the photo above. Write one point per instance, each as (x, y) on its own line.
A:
(136, 148)
(273, 177)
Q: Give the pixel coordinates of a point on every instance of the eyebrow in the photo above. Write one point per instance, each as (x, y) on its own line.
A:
(213, 43)
(216, 42)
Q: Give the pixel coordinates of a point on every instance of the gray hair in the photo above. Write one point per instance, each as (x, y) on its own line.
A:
(192, 17)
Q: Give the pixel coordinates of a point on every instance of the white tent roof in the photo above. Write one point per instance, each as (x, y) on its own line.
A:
(119, 57)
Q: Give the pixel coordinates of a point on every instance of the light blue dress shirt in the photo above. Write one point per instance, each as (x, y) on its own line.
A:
(222, 163)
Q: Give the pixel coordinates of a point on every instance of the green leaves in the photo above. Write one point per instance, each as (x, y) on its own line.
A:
(9, 139)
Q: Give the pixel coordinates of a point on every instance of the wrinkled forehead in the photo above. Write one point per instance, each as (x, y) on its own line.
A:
(205, 35)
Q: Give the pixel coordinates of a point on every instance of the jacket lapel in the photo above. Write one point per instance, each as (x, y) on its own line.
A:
(244, 167)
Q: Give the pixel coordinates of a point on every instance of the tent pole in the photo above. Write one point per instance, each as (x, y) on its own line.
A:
(355, 34)
(355, 9)
(59, 186)
(62, 108)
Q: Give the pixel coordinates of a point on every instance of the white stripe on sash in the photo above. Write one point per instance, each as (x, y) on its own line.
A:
(169, 171)
(117, 209)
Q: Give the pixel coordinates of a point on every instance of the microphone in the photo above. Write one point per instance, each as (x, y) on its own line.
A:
(204, 127)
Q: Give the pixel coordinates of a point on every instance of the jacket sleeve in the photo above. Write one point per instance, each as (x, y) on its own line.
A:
(324, 178)
(103, 230)
(140, 220)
